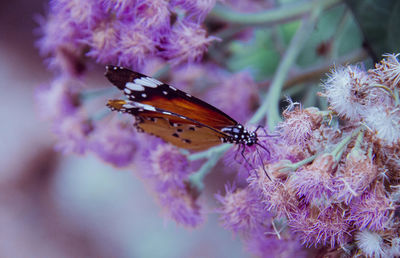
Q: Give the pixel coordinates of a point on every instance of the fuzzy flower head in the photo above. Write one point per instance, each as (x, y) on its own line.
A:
(326, 227)
(371, 210)
(274, 193)
(346, 89)
(385, 125)
(357, 174)
(239, 104)
(387, 71)
(315, 182)
(58, 99)
(73, 133)
(370, 243)
(186, 42)
(115, 143)
(180, 204)
(299, 124)
(241, 211)
(169, 166)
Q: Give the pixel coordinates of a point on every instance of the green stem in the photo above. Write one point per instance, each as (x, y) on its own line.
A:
(338, 151)
(295, 166)
(196, 179)
(282, 13)
(270, 106)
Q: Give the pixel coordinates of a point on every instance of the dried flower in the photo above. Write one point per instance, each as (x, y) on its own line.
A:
(387, 71)
(357, 175)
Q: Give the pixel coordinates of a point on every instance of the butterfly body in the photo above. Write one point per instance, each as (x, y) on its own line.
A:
(173, 115)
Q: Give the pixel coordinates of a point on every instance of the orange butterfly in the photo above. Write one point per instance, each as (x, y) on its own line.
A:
(174, 115)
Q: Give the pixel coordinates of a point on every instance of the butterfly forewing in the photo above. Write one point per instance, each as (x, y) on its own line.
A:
(143, 89)
(176, 129)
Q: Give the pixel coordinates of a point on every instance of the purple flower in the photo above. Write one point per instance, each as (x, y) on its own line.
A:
(371, 210)
(262, 244)
(298, 126)
(275, 195)
(72, 132)
(325, 227)
(58, 99)
(186, 42)
(122, 32)
(242, 210)
(114, 142)
(357, 174)
(195, 9)
(236, 95)
(315, 182)
(169, 166)
(180, 204)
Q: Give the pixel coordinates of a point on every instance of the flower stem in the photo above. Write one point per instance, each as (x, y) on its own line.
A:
(338, 151)
(285, 12)
(271, 102)
(196, 179)
(295, 166)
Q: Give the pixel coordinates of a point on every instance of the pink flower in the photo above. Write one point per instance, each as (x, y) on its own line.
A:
(371, 210)
(315, 182)
(114, 142)
(298, 126)
(241, 210)
(325, 227)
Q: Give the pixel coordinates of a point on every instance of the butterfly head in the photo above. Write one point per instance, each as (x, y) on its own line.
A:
(239, 135)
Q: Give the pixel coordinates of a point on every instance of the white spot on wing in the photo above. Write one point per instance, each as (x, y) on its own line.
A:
(127, 91)
(164, 92)
(145, 82)
(155, 81)
(134, 86)
(172, 88)
(144, 95)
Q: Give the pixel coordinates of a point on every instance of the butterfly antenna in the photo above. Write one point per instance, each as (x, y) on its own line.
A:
(265, 132)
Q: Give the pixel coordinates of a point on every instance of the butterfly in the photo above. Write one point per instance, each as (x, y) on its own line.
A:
(173, 115)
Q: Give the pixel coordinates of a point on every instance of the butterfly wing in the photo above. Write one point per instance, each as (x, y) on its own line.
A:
(143, 89)
(176, 129)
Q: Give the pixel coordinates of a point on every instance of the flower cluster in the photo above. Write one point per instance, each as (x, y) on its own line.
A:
(332, 183)
(123, 32)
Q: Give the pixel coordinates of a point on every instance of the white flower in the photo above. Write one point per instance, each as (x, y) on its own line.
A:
(385, 123)
(346, 89)
(370, 243)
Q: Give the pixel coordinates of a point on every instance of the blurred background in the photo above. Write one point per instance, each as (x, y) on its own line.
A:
(52, 205)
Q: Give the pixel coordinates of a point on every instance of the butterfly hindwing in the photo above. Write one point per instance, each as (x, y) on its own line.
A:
(176, 129)
(143, 89)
